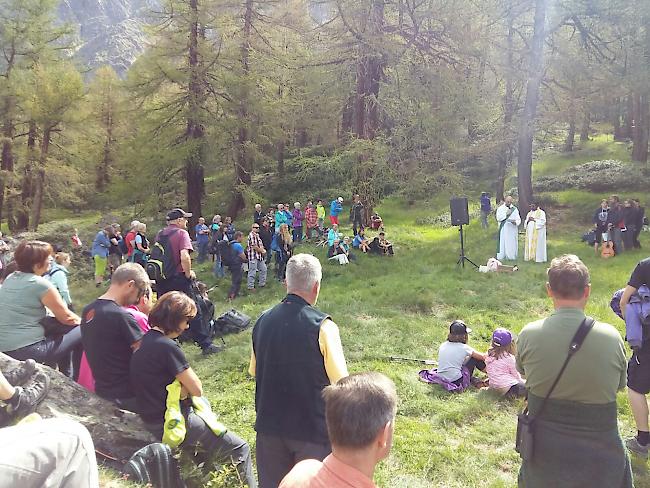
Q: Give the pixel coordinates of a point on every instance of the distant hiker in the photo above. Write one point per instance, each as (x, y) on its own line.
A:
(320, 212)
(535, 244)
(576, 438)
(357, 214)
(486, 209)
(280, 217)
(298, 347)
(311, 221)
(297, 216)
(256, 255)
(258, 215)
(99, 251)
(202, 239)
(336, 207)
(179, 278)
(235, 261)
(600, 223)
(114, 252)
(509, 222)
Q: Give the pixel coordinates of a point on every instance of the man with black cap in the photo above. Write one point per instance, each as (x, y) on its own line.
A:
(180, 279)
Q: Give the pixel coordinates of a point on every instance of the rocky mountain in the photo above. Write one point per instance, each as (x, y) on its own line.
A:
(108, 31)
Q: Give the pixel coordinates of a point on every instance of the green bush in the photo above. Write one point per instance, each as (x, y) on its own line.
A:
(596, 176)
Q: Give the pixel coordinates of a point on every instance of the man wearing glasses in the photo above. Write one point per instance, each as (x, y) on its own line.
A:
(256, 255)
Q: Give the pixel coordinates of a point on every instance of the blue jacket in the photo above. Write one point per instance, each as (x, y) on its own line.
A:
(335, 208)
(486, 206)
(637, 311)
(101, 245)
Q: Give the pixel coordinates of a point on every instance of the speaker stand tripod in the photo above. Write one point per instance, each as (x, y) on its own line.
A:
(462, 258)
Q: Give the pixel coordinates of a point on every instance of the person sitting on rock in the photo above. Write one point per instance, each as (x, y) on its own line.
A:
(167, 387)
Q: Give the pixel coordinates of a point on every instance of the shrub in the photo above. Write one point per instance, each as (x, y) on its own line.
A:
(597, 176)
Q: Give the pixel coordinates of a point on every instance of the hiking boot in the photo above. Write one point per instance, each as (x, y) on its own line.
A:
(22, 373)
(633, 445)
(28, 397)
(212, 349)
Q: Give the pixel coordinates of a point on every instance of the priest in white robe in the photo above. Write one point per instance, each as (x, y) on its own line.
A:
(535, 248)
(509, 221)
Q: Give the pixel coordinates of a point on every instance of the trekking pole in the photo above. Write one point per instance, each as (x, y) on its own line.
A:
(429, 362)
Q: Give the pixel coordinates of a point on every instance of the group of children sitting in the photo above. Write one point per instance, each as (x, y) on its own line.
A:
(338, 248)
(457, 362)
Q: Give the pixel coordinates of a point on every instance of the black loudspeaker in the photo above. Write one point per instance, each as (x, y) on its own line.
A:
(459, 211)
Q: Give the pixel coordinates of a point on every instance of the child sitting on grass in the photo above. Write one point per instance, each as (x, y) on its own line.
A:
(456, 361)
(501, 368)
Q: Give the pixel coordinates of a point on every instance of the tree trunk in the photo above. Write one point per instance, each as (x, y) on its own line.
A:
(195, 132)
(115, 432)
(586, 122)
(39, 180)
(103, 169)
(370, 69)
(640, 129)
(628, 117)
(571, 134)
(281, 144)
(527, 125)
(243, 170)
(505, 154)
(615, 115)
(20, 210)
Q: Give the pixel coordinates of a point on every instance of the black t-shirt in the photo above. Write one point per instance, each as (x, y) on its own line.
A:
(108, 332)
(154, 366)
(641, 274)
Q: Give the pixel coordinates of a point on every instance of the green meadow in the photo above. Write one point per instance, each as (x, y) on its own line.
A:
(402, 305)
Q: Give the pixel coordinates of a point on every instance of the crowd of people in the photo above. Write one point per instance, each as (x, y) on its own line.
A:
(316, 425)
(619, 224)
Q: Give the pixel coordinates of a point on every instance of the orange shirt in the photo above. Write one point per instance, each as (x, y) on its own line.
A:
(331, 473)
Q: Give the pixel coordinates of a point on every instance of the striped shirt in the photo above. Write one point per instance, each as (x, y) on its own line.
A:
(254, 240)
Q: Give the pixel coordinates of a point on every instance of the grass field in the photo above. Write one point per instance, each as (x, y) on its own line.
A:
(402, 306)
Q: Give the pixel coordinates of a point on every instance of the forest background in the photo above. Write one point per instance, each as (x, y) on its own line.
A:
(236, 101)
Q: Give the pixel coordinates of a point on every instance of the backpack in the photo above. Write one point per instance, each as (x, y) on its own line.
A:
(160, 265)
(231, 322)
(123, 248)
(227, 254)
(156, 465)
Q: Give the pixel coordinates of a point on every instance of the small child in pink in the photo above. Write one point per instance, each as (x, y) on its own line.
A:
(501, 368)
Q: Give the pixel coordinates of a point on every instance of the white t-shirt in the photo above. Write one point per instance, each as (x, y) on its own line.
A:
(451, 357)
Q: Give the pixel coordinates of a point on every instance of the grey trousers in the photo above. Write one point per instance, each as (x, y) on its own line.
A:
(276, 456)
(47, 453)
(255, 266)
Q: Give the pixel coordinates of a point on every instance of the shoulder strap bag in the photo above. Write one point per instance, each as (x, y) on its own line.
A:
(525, 442)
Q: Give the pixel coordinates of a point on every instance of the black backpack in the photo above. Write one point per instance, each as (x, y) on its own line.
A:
(227, 254)
(122, 247)
(160, 265)
(156, 466)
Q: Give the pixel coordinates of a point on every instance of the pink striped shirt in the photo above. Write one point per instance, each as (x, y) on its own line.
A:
(502, 372)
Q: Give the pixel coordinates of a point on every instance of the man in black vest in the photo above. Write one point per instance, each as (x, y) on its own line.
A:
(297, 352)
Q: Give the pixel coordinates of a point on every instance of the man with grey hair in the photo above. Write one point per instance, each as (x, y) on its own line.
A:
(576, 438)
(297, 352)
(360, 411)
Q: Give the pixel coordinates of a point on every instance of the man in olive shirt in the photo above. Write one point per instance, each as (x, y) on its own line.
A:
(577, 442)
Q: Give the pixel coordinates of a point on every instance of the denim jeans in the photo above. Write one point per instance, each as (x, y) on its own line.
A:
(62, 350)
(236, 275)
(255, 266)
(297, 234)
(203, 250)
(217, 269)
(484, 218)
